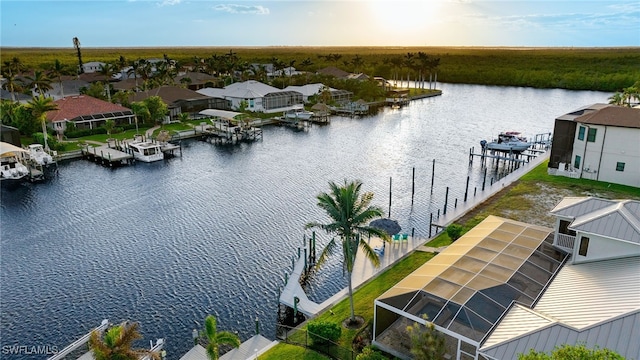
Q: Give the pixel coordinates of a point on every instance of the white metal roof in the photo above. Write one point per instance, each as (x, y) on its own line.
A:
(618, 219)
(597, 303)
(256, 87)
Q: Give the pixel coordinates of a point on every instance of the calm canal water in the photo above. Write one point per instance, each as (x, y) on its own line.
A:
(214, 231)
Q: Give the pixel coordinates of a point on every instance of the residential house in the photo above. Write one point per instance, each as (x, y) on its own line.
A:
(598, 142)
(92, 66)
(87, 112)
(310, 90)
(180, 100)
(257, 96)
(506, 287)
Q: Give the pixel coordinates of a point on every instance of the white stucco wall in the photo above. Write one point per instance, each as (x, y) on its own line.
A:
(612, 145)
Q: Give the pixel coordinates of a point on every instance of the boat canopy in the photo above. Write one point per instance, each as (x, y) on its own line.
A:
(7, 149)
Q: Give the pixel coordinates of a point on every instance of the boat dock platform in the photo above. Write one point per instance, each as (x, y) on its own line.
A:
(107, 155)
(299, 124)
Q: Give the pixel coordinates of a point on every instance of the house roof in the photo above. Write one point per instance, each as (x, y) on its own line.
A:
(613, 115)
(196, 77)
(168, 94)
(308, 89)
(250, 87)
(6, 95)
(333, 71)
(618, 219)
(73, 107)
(597, 303)
(467, 287)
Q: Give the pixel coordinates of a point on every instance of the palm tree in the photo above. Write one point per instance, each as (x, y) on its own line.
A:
(107, 70)
(57, 71)
(39, 82)
(117, 343)
(350, 213)
(216, 338)
(39, 106)
(11, 82)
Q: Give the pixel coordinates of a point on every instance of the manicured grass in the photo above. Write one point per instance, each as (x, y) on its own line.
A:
(287, 351)
(363, 299)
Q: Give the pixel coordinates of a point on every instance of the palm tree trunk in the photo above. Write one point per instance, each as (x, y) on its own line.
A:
(353, 315)
(44, 134)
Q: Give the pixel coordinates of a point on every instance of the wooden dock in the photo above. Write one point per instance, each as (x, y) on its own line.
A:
(107, 156)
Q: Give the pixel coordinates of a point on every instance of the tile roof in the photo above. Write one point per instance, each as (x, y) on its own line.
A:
(75, 106)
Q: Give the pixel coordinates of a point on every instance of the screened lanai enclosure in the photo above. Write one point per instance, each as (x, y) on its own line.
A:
(281, 99)
(466, 289)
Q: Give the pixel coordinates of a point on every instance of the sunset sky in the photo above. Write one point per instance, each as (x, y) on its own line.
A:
(131, 23)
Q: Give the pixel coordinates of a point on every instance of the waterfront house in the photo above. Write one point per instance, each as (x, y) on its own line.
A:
(598, 142)
(592, 229)
(310, 90)
(257, 96)
(87, 112)
(506, 287)
(180, 100)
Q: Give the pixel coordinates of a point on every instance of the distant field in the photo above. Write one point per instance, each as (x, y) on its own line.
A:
(605, 69)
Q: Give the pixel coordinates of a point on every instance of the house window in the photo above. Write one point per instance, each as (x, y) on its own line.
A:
(591, 136)
(581, 133)
(619, 166)
(576, 163)
(584, 245)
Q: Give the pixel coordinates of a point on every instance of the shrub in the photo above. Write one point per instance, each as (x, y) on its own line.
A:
(369, 353)
(454, 231)
(323, 332)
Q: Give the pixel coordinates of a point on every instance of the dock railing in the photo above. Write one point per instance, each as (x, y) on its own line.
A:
(81, 341)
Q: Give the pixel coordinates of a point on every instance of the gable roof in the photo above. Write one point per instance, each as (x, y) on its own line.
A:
(168, 94)
(619, 219)
(612, 115)
(73, 107)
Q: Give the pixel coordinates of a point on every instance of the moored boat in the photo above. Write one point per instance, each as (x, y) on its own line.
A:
(146, 151)
(37, 154)
(510, 141)
(298, 113)
(12, 170)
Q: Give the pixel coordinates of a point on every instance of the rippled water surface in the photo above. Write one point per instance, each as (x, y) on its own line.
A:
(214, 231)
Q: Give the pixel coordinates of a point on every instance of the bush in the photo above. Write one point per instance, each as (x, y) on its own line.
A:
(454, 231)
(369, 353)
(322, 332)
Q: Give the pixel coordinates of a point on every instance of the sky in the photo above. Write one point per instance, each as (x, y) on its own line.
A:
(258, 23)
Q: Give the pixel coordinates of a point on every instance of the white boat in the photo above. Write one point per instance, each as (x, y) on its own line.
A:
(298, 113)
(37, 154)
(146, 151)
(510, 141)
(11, 169)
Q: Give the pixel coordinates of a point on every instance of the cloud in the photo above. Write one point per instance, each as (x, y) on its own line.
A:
(241, 9)
(169, 2)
